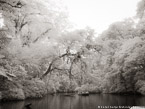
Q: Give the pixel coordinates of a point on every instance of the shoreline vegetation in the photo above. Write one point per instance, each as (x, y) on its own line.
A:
(36, 89)
(40, 55)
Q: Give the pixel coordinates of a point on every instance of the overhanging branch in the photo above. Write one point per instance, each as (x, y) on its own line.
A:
(17, 5)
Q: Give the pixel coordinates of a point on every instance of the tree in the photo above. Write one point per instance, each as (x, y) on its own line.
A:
(72, 45)
(24, 18)
(140, 9)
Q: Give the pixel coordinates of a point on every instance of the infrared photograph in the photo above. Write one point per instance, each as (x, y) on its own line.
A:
(72, 54)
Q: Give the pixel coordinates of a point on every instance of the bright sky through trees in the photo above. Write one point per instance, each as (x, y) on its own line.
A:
(99, 14)
(1, 21)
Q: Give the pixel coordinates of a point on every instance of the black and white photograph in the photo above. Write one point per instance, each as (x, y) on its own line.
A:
(72, 54)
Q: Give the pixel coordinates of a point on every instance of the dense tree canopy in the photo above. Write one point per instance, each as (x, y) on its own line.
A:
(38, 54)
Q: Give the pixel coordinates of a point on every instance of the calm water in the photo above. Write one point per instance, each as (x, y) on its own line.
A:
(77, 102)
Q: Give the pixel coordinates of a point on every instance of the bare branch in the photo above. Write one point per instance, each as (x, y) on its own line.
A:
(76, 57)
(17, 5)
(44, 33)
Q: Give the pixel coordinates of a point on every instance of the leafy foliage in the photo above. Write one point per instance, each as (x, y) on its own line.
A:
(38, 55)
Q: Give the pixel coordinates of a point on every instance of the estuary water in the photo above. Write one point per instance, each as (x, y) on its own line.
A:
(93, 101)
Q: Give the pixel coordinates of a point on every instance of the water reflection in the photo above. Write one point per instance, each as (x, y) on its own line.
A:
(77, 102)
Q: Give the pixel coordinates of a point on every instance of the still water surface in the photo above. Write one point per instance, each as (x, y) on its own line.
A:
(77, 102)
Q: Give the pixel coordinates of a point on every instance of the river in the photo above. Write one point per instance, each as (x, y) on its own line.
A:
(94, 101)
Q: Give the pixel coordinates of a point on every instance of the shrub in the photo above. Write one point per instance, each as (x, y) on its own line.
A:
(88, 88)
(140, 87)
(13, 94)
(34, 88)
(67, 86)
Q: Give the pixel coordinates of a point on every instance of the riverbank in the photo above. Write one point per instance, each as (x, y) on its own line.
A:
(37, 88)
(20, 90)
